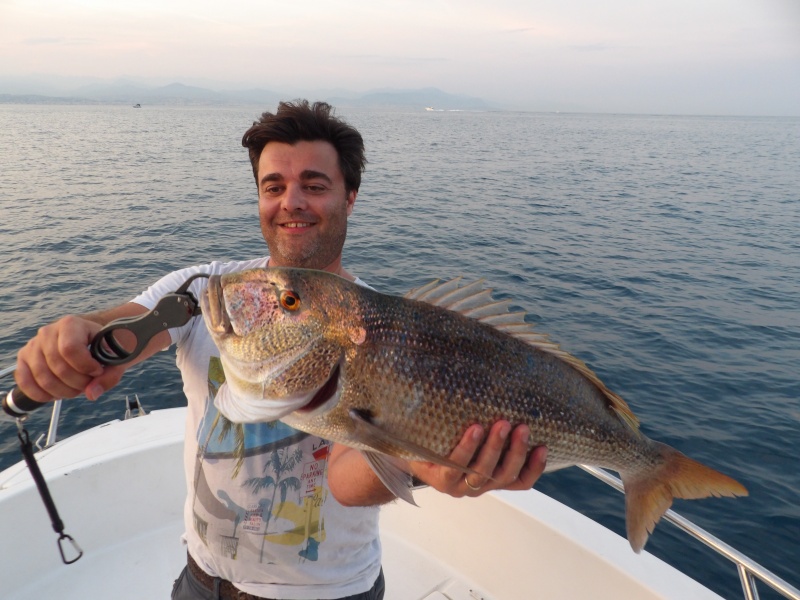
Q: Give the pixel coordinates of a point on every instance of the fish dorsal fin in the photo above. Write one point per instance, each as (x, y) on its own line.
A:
(475, 301)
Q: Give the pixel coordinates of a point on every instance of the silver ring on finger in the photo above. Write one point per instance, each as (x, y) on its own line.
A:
(470, 486)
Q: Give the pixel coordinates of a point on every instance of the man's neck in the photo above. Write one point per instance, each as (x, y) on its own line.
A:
(335, 267)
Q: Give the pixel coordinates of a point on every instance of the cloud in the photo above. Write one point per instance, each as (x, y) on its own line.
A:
(57, 41)
(597, 47)
(506, 50)
(519, 30)
(38, 41)
(377, 59)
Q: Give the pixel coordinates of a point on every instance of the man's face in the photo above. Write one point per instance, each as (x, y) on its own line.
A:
(302, 204)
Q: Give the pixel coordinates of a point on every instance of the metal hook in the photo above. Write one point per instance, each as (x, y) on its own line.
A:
(73, 543)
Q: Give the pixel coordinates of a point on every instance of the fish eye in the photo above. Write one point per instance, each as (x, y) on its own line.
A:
(290, 300)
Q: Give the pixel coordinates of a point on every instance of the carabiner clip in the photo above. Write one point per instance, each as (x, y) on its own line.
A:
(73, 543)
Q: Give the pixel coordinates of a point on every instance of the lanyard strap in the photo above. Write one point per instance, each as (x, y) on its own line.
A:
(58, 526)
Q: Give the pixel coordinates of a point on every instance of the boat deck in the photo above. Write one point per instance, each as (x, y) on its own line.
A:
(120, 490)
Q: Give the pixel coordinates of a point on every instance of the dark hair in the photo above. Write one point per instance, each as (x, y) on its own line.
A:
(298, 121)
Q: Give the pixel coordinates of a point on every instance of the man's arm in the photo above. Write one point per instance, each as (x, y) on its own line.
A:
(353, 483)
(56, 363)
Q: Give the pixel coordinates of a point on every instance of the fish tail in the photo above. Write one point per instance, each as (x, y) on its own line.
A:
(648, 496)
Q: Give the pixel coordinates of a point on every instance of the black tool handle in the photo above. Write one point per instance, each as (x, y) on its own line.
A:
(18, 405)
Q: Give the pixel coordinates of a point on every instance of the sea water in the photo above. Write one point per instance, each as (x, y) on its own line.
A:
(661, 250)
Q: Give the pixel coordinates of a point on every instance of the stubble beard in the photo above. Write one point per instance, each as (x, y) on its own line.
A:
(316, 253)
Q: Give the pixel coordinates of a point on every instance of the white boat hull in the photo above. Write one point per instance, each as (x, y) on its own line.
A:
(120, 489)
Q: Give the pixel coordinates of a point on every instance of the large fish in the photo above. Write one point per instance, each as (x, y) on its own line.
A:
(406, 377)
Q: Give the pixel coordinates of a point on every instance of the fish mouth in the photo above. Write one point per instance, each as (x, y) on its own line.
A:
(212, 305)
(326, 393)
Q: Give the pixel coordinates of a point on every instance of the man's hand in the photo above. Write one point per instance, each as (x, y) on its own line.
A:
(56, 363)
(353, 483)
(509, 470)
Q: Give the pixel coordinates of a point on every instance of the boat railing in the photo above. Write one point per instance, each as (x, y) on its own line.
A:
(749, 570)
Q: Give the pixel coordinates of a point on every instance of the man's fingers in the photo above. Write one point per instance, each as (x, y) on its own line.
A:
(489, 456)
(58, 376)
(512, 466)
(534, 468)
(446, 479)
(57, 362)
(106, 381)
(531, 471)
(74, 349)
(28, 386)
(37, 380)
(514, 458)
(462, 454)
(501, 461)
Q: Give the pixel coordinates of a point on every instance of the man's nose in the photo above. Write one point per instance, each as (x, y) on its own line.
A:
(294, 198)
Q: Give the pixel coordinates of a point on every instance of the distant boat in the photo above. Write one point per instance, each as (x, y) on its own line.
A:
(137, 105)
(429, 108)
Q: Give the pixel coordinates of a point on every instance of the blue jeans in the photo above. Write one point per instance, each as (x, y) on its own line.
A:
(188, 588)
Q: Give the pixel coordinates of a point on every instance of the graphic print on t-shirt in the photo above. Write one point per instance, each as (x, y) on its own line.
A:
(259, 488)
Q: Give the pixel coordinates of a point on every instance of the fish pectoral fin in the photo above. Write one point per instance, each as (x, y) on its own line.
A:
(369, 434)
(392, 476)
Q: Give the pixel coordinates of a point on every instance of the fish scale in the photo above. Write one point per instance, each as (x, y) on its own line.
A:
(457, 383)
(406, 377)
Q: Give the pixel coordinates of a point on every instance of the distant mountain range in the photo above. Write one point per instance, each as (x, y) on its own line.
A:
(177, 94)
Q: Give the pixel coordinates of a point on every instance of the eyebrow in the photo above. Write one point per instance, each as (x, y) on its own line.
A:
(304, 176)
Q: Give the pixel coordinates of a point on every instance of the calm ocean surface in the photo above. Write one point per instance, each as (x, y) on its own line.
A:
(663, 251)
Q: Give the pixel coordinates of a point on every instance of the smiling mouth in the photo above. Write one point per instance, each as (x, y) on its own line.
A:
(296, 225)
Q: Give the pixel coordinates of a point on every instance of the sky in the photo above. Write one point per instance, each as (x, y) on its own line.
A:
(642, 56)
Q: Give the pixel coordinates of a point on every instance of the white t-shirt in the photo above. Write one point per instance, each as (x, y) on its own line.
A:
(267, 522)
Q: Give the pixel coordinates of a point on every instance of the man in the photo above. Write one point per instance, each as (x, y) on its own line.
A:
(273, 512)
